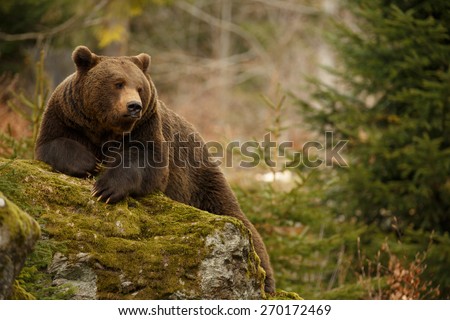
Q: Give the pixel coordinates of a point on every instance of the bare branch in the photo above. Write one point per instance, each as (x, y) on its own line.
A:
(290, 6)
(252, 41)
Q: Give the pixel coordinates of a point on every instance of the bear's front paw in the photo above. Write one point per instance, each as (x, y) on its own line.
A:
(114, 185)
(85, 165)
(69, 157)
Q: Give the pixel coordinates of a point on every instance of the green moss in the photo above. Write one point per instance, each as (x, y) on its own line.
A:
(283, 295)
(34, 277)
(21, 233)
(19, 224)
(19, 293)
(166, 235)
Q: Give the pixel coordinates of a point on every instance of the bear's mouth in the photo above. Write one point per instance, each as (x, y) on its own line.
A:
(135, 116)
(124, 126)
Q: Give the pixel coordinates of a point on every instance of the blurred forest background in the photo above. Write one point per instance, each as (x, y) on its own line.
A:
(375, 73)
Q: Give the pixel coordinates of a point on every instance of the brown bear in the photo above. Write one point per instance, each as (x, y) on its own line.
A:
(108, 112)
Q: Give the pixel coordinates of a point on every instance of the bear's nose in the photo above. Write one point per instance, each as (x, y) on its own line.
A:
(134, 107)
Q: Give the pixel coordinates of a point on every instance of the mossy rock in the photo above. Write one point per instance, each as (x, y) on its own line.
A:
(18, 234)
(150, 248)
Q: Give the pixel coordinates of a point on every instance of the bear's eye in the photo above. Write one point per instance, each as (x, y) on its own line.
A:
(120, 85)
(139, 90)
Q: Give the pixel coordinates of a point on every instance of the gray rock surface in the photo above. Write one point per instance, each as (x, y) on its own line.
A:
(224, 270)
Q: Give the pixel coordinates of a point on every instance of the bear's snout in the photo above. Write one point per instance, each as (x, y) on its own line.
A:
(134, 109)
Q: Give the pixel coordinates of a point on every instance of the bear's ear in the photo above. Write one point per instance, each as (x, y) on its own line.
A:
(144, 60)
(83, 57)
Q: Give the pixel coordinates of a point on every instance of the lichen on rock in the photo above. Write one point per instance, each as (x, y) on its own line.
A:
(147, 248)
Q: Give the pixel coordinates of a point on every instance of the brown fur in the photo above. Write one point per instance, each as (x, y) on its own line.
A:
(87, 120)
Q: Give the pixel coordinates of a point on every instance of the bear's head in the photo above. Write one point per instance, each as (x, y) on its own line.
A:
(115, 92)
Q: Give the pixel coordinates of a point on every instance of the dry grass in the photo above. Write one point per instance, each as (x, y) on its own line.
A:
(396, 279)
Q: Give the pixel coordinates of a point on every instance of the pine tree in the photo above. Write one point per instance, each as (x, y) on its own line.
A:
(391, 102)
